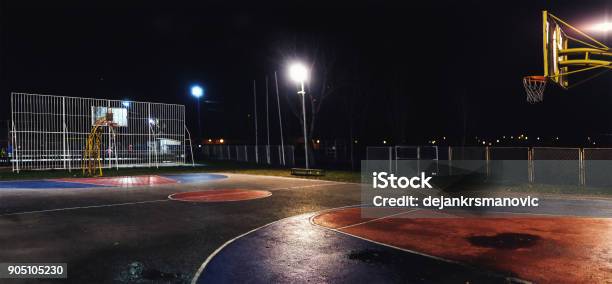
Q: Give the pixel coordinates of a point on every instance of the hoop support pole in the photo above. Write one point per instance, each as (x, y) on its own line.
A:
(544, 40)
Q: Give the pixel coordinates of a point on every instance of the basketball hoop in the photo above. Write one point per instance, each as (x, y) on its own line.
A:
(534, 87)
(93, 155)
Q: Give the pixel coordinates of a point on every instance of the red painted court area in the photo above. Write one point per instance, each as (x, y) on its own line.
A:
(220, 195)
(540, 249)
(126, 181)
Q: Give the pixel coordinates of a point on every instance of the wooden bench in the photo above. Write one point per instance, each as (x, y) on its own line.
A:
(307, 172)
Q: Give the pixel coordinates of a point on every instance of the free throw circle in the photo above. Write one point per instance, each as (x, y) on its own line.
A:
(220, 195)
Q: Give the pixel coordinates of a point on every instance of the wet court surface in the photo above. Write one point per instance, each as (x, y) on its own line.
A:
(137, 234)
(536, 248)
(293, 250)
(104, 232)
(120, 181)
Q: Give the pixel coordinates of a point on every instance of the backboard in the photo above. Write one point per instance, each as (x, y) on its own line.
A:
(555, 40)
(115, 115)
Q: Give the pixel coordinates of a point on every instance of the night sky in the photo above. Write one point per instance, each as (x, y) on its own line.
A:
(403, 72)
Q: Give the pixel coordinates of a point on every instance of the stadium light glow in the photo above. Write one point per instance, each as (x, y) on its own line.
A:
(125, 103)
(298, 72)
(602, 27)
(197, 91)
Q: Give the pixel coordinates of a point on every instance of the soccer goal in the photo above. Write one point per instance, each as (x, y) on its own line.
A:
(58, 132)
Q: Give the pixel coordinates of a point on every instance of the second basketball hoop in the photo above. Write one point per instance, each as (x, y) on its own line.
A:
(534, 86)
(562, 59)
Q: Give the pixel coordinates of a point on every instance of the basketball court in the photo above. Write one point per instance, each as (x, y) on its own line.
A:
(284, 229)
(234, 228)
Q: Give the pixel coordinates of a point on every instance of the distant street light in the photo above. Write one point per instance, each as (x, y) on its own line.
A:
(198, 92)
(299, 74)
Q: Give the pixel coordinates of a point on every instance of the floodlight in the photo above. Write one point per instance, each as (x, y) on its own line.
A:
(298, 72)
(602, 27)
(125, 103)
(197, 91)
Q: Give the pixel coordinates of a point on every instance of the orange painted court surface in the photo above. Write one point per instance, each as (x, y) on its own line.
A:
(220, 195)
(540, 249)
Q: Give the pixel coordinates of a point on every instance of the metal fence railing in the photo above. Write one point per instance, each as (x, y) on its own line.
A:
(557, 165)
(546, 165)
(266, 155)
(52, 132)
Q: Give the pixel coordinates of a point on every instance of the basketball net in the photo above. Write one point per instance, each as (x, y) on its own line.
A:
(534, 87)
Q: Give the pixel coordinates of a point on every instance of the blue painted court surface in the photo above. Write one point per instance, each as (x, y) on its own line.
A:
(42, 184)
(195, 177)
(50, 183)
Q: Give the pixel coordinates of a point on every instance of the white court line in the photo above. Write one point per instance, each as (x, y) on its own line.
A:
(510, 278)
(138, 202)
(289, 178)
(308, 186)
(83, 207)
(171, 197)
(200, 270)
(376, 219)
(536, 214)
(195, 278)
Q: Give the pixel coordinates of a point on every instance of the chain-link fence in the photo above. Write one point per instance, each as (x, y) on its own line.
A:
(267, 155)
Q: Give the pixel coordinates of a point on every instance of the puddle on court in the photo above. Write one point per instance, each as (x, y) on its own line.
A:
(367, 256)
(137, 272)
(509, 241)
(154, 274)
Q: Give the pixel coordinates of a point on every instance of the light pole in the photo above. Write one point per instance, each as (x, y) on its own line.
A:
(198, 92)
(299, 74)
